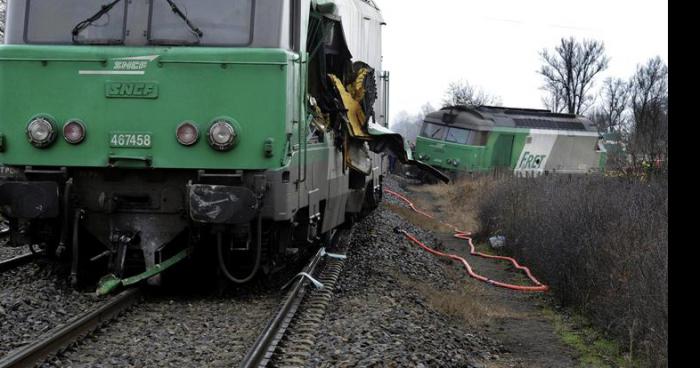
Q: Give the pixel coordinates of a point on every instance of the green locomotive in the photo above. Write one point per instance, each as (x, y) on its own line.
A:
(134, 133)
(469, 139)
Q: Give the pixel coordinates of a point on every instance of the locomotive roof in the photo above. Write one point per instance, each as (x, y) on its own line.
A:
(486, 118)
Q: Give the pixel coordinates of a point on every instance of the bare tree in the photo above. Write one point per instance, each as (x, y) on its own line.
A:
(648, 140)
(427, 108)
(569, 72)
(554, 100)
(613, 128)
(2, 21)
(463, 93)
(408, 125)
(611, 116)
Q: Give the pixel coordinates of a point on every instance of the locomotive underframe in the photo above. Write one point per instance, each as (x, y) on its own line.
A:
(140, 218)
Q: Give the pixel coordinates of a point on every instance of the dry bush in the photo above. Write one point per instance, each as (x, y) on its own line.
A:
(602, 245)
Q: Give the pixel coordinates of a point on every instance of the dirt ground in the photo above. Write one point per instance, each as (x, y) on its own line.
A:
(517, 320)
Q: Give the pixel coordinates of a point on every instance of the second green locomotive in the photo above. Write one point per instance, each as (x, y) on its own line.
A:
(470, 139)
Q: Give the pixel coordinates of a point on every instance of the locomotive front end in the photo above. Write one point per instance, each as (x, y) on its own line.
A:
(144, 125)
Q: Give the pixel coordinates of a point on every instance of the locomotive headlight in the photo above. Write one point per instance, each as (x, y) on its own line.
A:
(187, 133)
(41, 132)
(74, 131)
(222, 135)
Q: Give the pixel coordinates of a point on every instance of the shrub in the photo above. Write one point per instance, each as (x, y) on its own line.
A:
(601, 243)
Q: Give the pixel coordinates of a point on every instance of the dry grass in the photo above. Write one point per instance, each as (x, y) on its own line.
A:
(466, 304)
(452, 203)
(457, 202)
(418, 219)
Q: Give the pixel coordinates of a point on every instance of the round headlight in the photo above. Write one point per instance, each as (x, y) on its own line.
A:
(222, 135)
(41, 132)
(74, 131)
(187, 133)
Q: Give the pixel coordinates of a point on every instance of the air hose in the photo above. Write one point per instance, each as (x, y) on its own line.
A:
(539, 287)
(222, 262)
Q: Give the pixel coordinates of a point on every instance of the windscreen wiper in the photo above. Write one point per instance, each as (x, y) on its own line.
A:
(435, 133)
(87, 22)
(197, 32)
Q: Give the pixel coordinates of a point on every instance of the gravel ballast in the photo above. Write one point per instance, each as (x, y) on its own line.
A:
(176, 332)
(378, 319)
(7, 252)
(35, 298)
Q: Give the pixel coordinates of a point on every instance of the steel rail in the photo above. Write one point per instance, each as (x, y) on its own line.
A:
(17, 261)
(63, 336)
(263, 348)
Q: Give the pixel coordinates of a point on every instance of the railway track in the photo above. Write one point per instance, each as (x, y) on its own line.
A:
(288, 338)
(14, 262)
(63, 336)
(299, 309)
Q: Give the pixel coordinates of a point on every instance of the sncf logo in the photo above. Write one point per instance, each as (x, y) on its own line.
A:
(134, 65)
(130, 65)
(131, 90)
(134, 62)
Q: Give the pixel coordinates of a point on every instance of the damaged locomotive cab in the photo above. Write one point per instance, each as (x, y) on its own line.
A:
(347, 95)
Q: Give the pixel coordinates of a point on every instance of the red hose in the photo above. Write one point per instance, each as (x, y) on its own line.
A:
(466, 236)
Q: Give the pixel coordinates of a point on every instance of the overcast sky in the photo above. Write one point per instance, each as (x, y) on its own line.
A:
(495, 43)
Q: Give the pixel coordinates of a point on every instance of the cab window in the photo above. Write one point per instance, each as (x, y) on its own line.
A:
(458, 135)
(199, 22)
(466, 136)
(434, 131)
(222, 22)
(53, 21)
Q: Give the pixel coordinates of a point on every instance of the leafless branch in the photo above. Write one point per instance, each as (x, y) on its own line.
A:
(2, 21)
(569, 73)
(611, 115)
(648, 100)
(409, 125)
(463, 93)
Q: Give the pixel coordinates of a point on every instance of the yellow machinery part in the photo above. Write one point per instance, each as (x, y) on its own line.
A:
(356, 115)
(357, 87)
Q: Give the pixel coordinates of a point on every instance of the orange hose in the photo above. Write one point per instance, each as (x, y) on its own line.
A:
(467, 236)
